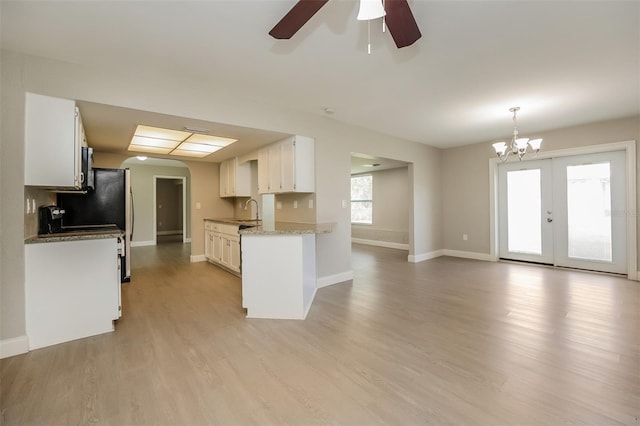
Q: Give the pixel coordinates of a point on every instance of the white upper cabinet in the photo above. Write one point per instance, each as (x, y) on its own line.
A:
(235, 178)
(54, 138)
(287, 166)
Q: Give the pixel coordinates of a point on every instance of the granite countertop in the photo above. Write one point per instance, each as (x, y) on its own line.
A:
(74, 236)
(233, 221)
(292, 228)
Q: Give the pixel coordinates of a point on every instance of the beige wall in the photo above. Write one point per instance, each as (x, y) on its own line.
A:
(169, 201)
(465, 183)
(391, 204)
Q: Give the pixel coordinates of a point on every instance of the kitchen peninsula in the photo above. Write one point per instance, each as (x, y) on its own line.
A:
(279, 269)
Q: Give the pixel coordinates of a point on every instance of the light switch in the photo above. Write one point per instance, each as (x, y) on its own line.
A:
(465, 237)
(344, 204)
(295, 204)
(310, 204)
(279, 205)
(28, 206)
(198, 206)
(159, 206)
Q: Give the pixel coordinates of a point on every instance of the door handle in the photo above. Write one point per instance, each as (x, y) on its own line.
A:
(549, 220)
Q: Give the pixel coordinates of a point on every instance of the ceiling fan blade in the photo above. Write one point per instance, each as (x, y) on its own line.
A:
(401, 24)
(299, 14)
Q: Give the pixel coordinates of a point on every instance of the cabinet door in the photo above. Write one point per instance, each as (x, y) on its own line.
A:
(207, 244)
(263, 171)
(226, 251)
(224, 178)
(275, 168)
(52, 142)
(288, 165)
(234, 254)
(217, 247)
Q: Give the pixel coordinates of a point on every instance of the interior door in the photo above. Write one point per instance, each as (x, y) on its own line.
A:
(589, 194)
(526, 212)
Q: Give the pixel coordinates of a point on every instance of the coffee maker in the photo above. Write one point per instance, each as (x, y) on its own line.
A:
(50, 219)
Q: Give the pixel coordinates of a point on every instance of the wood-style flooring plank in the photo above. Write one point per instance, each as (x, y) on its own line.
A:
(446, 341)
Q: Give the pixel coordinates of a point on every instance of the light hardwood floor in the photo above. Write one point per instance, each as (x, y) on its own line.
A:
(446, 341)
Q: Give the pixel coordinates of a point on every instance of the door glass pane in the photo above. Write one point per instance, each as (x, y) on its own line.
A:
(589, 211)
(524, 211)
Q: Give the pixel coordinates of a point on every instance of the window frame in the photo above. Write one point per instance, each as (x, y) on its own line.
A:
(361, 175)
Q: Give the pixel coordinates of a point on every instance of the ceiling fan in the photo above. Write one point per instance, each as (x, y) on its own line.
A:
(399, 20)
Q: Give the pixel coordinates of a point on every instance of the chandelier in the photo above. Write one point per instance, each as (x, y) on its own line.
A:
(517, 146)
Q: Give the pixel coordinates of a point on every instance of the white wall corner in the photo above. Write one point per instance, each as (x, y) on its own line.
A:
(469, 255)
(415, 258)
(197, 258)
(15, 346)
(379, 243)
(334, 279)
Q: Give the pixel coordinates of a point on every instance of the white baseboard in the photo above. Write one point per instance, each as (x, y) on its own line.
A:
(424, 256)
(197, 258)
(468, 255)
(15, 346)
(379, 243)
(334, 279)
(176, 232)
(142, 243)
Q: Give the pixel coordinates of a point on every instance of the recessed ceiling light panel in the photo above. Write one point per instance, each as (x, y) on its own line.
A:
(175, 142)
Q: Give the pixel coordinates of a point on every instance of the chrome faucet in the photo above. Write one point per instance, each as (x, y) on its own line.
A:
(257, 212)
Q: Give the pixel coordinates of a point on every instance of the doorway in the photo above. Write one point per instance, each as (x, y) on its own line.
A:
(565, 211)
(169, 209)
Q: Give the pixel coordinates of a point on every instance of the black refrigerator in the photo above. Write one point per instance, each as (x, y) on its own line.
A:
(109, 203)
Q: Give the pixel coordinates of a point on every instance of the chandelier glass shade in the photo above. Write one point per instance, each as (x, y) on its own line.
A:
(517, 146)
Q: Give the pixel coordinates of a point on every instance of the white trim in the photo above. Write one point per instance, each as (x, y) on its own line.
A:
(16, 346)
(378, 243)
(184, 205)
(176, 232)
(468, 255)
(197, 258)
(334, 279)
(142, 243)
(632, 233)
(425, 256)
(308, 307)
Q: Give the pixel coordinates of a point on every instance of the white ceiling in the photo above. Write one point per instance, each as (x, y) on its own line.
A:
(563, 62)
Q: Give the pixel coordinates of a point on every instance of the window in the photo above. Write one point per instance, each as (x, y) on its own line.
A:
(362, 199)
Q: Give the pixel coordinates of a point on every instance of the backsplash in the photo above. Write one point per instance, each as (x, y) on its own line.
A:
(287, 212)
(42, 197)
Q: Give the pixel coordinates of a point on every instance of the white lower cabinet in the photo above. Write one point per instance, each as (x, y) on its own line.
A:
(72, 290)
(222, 245)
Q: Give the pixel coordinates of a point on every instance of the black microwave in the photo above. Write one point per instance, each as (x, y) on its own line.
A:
(86, 169)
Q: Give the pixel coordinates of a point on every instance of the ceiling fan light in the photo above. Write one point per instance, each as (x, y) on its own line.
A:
(370, 9)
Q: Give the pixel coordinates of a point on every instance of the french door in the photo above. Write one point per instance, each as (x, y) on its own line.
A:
(565, 211)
